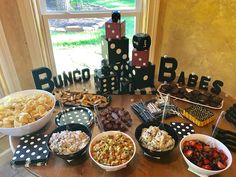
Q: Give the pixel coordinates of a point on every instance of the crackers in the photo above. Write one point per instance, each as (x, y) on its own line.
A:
(74, 98)
(22, 110)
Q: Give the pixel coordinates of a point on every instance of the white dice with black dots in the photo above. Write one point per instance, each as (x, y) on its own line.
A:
(115, 50)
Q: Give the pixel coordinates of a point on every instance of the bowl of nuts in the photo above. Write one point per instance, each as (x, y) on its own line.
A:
(69, 141)
(112, 150)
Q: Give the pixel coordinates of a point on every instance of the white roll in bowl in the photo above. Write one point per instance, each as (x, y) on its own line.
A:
(106, 167)
(213, 143)
(33, 126)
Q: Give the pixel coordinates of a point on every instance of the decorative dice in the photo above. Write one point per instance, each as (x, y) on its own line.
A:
(141, 41)
(105, 67)
(115, 16)
(144, 76)
(140, 58)
(125, 86)
(114, 30)
(105, 83)
(128, 71)
(118, 69)
(115, 50)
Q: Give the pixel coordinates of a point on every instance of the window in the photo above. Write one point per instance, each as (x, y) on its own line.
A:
(74, 27)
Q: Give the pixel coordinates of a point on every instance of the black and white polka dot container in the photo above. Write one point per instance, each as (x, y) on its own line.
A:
(146, 91)
(79, 115)
(182, 129)
(32, 150)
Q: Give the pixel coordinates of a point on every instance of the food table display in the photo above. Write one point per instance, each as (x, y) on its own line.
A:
(140, 165)
(117, 133)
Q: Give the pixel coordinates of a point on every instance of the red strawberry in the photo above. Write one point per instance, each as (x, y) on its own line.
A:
(215, 154)
(207, 167)
(186, 143)
(206, 161)
(223, 157)
(206, 148)
(188, 153)
(198, 146)
(220, 165)
(192, 142)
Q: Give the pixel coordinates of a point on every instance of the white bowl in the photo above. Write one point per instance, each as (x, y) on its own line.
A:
(106, 167)
(212, 142)
(31, 127)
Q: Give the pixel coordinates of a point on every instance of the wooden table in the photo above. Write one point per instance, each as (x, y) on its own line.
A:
(140, 166)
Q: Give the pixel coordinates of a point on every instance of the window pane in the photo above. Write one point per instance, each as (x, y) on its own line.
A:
(89, 5)
(76, 42)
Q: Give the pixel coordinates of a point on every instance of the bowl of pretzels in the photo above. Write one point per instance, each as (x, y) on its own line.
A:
(25, 112)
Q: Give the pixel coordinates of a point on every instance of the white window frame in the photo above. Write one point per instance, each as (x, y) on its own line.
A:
(46, 16)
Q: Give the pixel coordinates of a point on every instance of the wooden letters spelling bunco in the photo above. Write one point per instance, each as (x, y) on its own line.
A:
(167, 73)
(44, 80)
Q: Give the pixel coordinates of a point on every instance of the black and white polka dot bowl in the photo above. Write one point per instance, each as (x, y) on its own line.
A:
(156, 154)
(75, 115)
(72, 127)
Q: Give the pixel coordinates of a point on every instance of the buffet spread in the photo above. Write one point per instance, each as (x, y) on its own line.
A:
(24, 114)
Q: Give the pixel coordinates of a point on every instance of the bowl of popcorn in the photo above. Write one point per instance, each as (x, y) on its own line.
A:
(69, 141)
(112, 150)
(25, 112)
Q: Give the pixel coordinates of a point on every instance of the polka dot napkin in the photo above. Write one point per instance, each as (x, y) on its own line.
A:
(32, 149)
(182, 129)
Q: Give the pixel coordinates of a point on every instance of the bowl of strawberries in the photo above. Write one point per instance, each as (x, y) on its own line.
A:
(205, 155)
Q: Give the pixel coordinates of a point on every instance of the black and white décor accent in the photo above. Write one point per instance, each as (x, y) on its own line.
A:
(32, 150)
(144, 76)
(105, 83)
(115, 50)
(146, 91)
(79, 115)
(182, 129)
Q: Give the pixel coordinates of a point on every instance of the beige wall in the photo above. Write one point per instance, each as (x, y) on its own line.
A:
(14, 32)
(201, 34)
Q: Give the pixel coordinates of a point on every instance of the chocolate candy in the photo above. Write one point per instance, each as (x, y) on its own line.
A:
(197, 96)
(115, 16)
(114, 119)
(141, 41)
